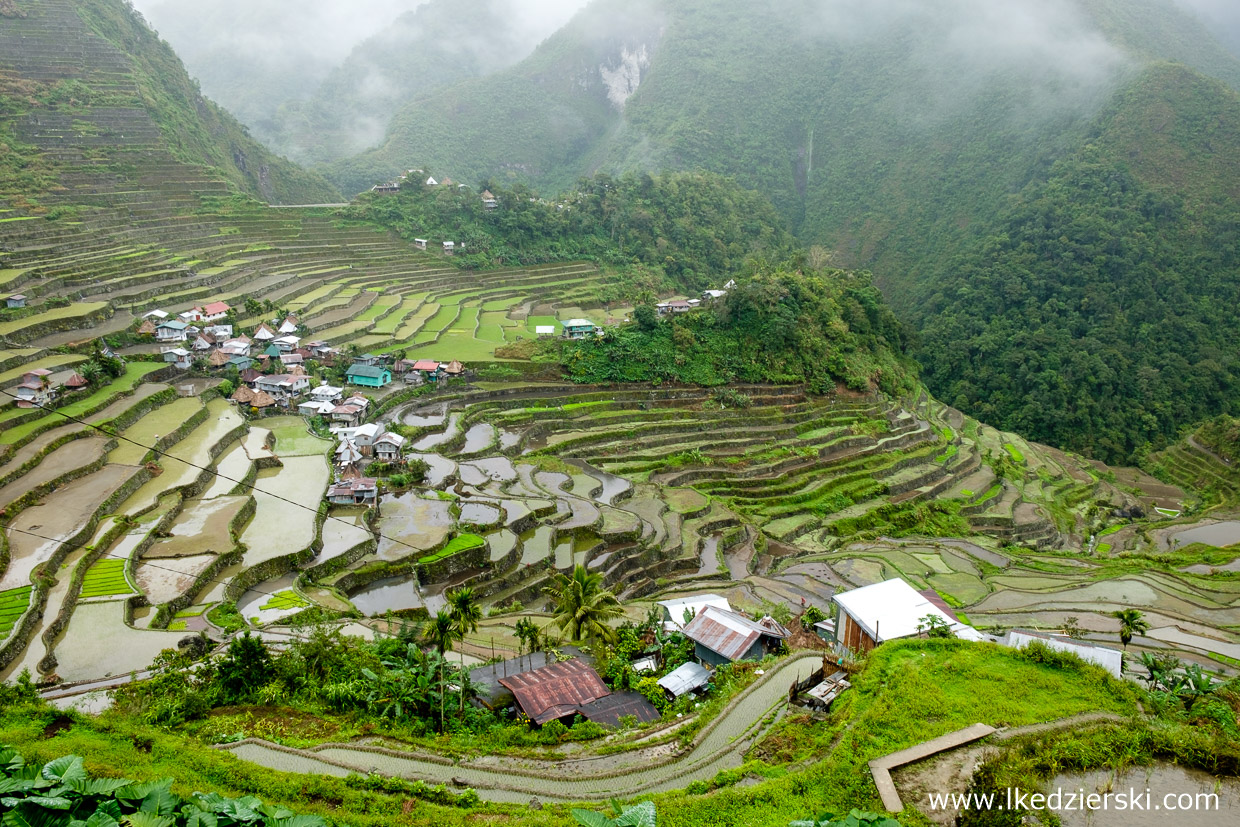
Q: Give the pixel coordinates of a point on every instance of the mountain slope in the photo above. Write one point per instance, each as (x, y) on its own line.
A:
(1102, 310)
(91, 101)
(422, 51)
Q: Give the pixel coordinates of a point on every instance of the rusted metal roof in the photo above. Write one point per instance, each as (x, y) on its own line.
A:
(555, 690)
(728, 633)
(611, 708)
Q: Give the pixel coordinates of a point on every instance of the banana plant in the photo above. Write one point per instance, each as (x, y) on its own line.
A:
(640, 815)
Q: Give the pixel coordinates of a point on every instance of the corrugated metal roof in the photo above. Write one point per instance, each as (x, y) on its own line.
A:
(728, 633)
(611, 708)
(889, 610)
(555, 690)
(685, 678)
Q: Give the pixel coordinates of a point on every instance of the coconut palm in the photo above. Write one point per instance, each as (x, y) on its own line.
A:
(583, 606)
(1131, 622)
(441, 632)
(465, 610)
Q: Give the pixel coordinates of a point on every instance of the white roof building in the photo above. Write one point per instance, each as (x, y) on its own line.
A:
(1109, 659)
(674, 610)
(326, 393)
(685, 678)
(888, 610)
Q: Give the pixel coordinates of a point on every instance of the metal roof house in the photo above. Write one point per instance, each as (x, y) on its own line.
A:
(1109, 659)
(883, 611)
(580, 329)
(15, 300)
(674, 610)
(688, 677)
(368, 376)
(720, 636)
(555, 691)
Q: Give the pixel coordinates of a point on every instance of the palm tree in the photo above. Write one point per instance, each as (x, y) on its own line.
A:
(1131, 622)
(583, 606)
(465, 609)
(441, 633)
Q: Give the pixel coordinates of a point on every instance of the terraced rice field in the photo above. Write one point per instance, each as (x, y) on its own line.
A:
(106, 579)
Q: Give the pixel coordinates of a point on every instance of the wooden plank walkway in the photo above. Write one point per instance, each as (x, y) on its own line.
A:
(881, 768)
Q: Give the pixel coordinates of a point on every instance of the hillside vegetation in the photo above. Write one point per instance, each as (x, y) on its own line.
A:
(1050, 201)
(92, 72)
(778, 324)
(1100, 313)
(695, 227)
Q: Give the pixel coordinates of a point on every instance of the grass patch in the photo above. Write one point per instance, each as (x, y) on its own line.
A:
(1013, 452)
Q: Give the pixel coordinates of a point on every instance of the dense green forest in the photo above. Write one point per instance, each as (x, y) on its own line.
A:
(1102, 311)
(780, 323)
(695, 228)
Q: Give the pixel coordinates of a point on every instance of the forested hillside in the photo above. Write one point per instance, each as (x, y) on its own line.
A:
(91, 73)
(1102, 311)
(695, 228)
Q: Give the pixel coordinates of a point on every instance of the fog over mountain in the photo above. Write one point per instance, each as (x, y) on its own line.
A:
(257, 57)
(1223, 17)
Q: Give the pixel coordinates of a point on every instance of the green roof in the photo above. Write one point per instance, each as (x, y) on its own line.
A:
(366, 371)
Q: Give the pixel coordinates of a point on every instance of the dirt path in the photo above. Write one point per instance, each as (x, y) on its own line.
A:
(720, 745)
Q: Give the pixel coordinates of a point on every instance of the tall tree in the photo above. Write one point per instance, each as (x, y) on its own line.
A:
(441, 632)
(583, 606)
(465, 609)
(1131, 622)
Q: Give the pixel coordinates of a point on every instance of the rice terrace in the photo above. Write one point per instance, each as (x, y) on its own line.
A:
(458, 503)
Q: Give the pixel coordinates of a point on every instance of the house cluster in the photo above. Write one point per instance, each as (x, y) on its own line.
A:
(39, 389)
(671, 308)
(371, 371)
(199, 334)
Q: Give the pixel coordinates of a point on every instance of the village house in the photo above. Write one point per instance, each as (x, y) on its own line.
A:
(489, 201)
(720, 636)
(218, 360)
(449, 247)
(427, 368)
(674, 611)
(544, 331)
(242, 364)
(208, 312)
(288, 326)
(452, 369)
(326, 393)
(347, 416)
(157, 315)
(75, 382)
(890, 610)
(580, 329)
(387, 447)
(385, 189)
(172, 330)
(283, 386)
(221, 332)
(263, 400)
(358, 491)
(688, 677)
(347, 456)
(249, 375)
(147, 328)
(263, 333)
(181, 358)
(236, 347)
(672, 307)
(561, 691)
(16, 300)
(368, 376)
(363, 435)
(203, 343)
(711, 295)
(290, 360)
(369, 359)
(36, 389)
(1109, 659)
(420, 243)
(311, 407)
(286, 344)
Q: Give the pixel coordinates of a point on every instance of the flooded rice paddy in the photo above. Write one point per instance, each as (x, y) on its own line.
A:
(1226, 533)
(167, 579)
(1197, 798)
(282, 524)
(478, 438)
(412, 522)
(390, 594)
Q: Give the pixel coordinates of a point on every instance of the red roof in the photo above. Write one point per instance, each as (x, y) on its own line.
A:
(215, 307)
(556, 690)
(75, 381)
(426, 364)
